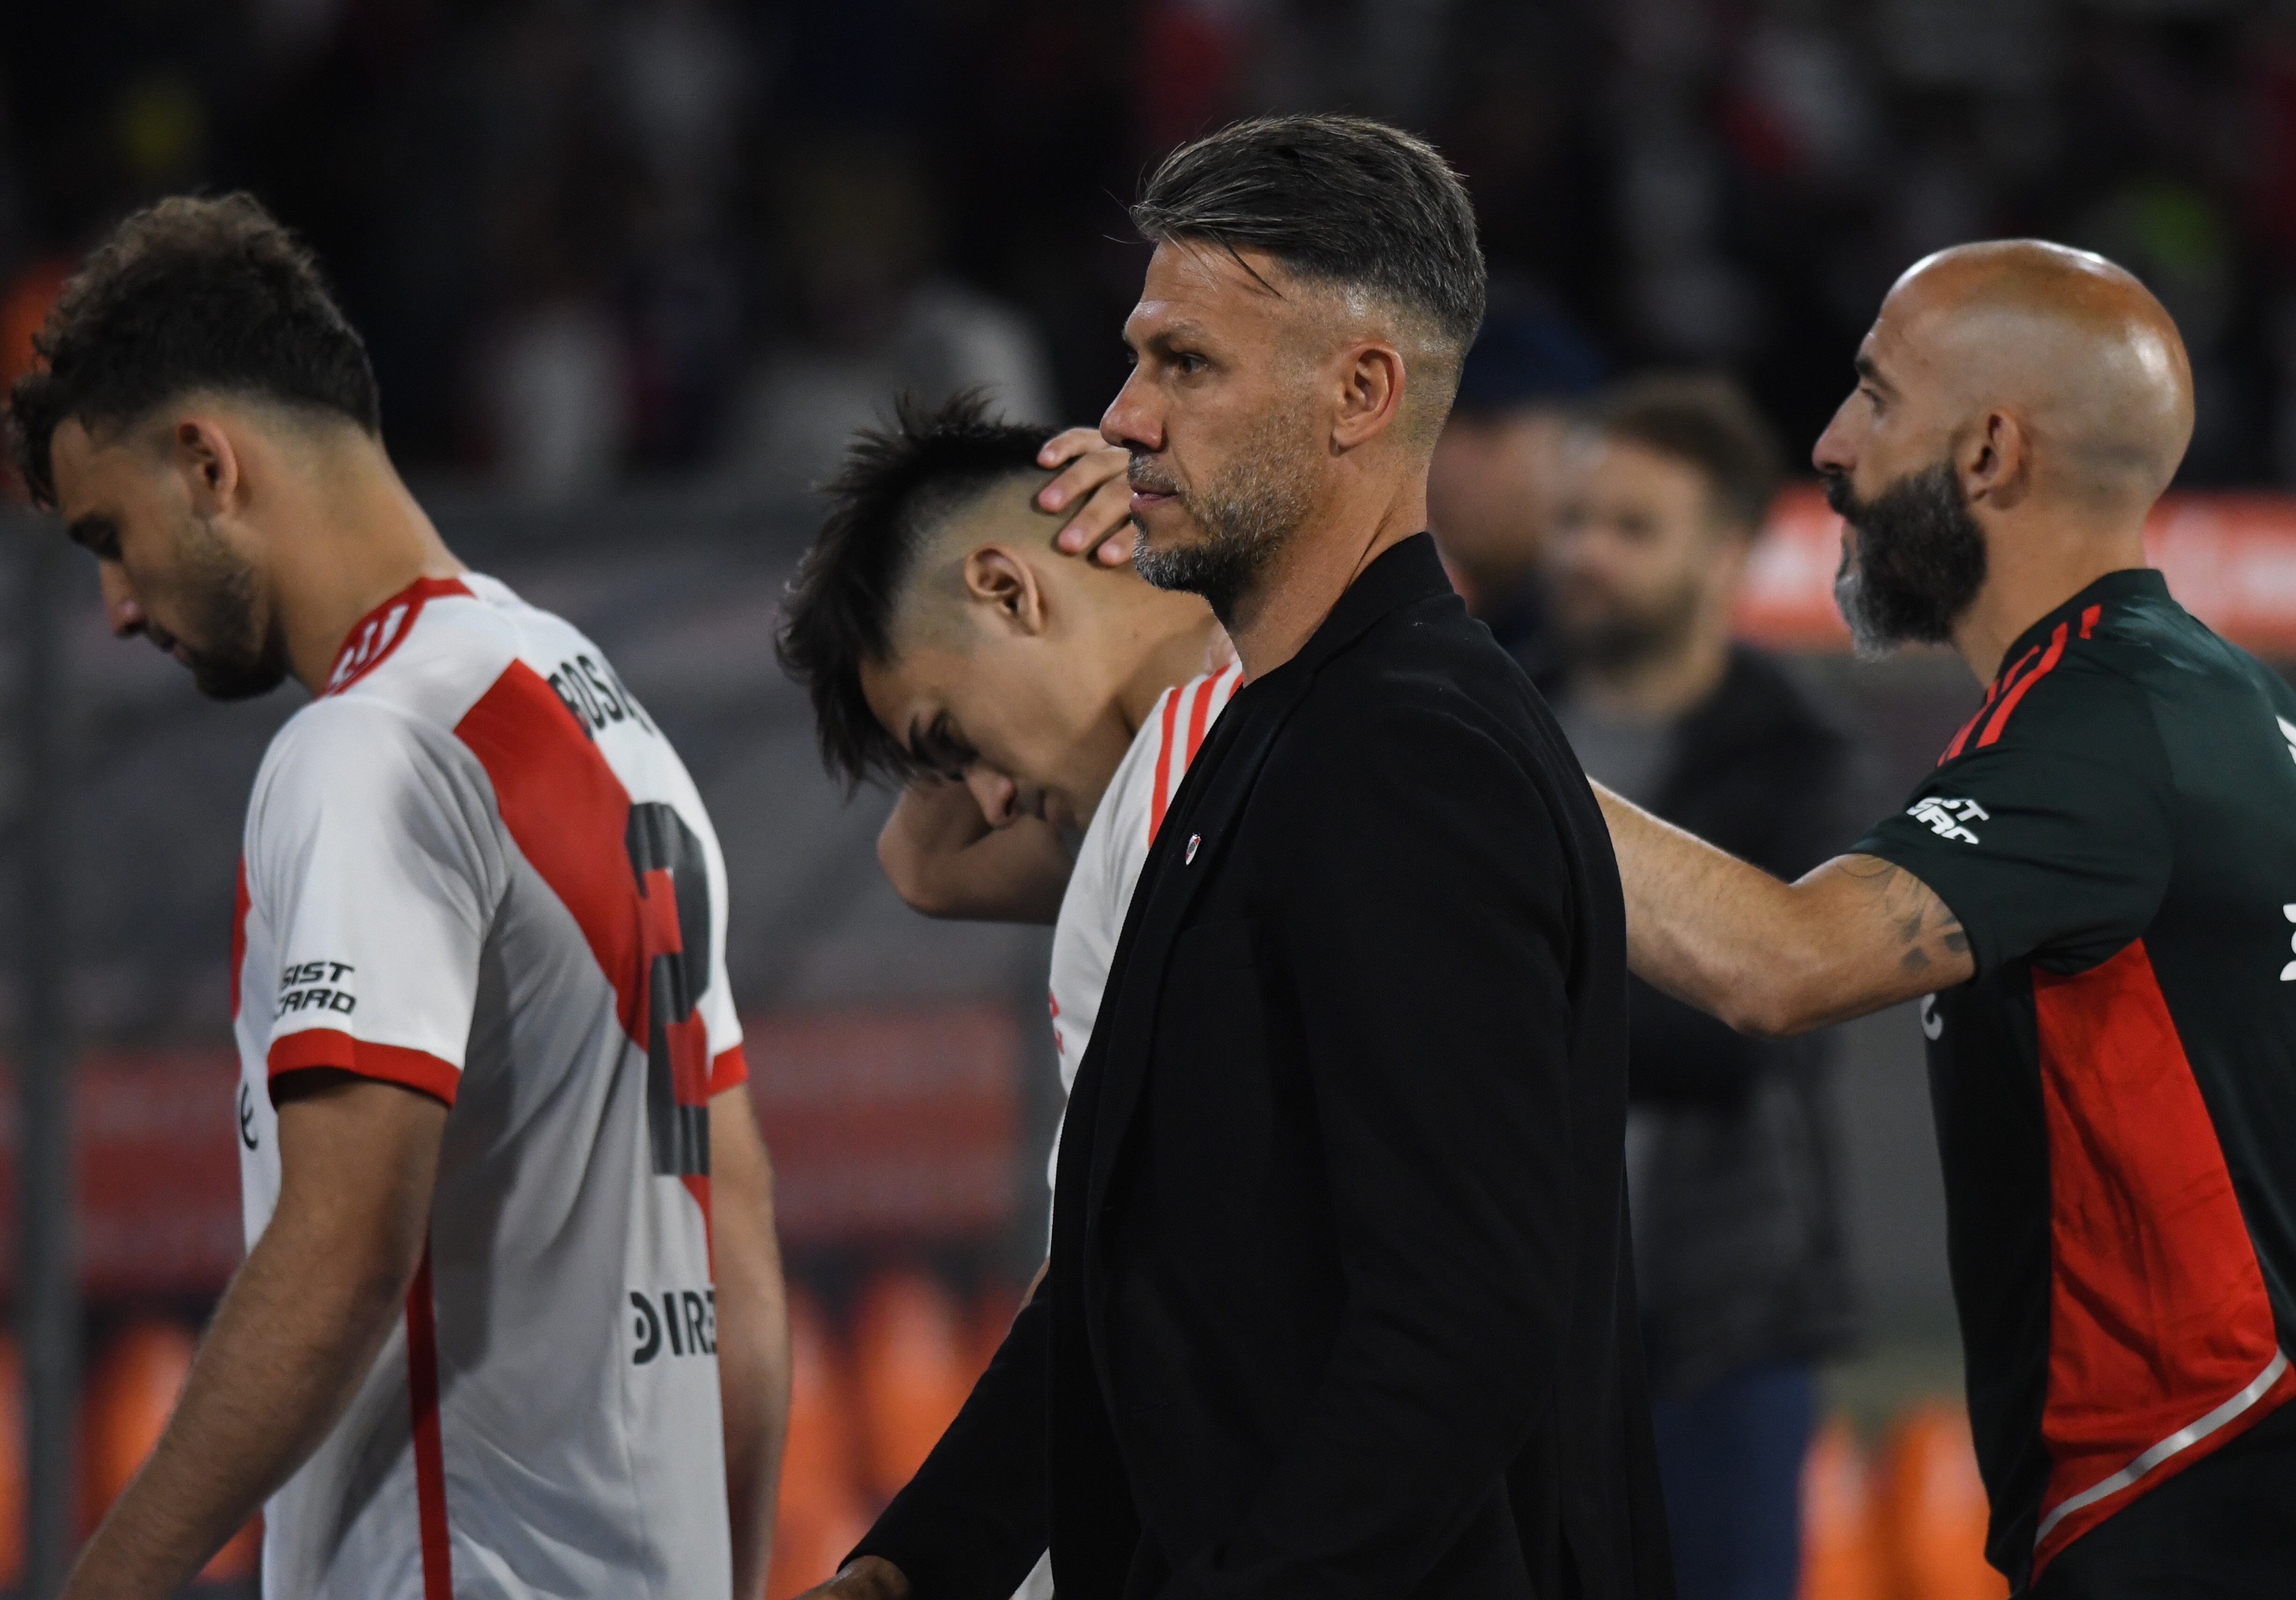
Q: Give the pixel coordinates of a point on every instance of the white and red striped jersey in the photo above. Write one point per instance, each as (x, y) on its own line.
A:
(474, 867)
(1116, 847)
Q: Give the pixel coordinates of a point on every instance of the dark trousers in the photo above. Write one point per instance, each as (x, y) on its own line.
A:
(1730, 1457)
(2224, 1529)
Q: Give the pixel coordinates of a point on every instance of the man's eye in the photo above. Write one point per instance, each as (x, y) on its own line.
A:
(1189, 362)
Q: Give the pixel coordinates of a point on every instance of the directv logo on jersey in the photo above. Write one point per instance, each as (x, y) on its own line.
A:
(687, 1321)
(1948, 818)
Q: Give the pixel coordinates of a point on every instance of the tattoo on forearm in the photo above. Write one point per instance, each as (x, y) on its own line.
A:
(1926, 930)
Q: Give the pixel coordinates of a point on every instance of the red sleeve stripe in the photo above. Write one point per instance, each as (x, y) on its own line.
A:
(387, 1063)
(2016, 691)
(436, 1536)
(1163, 763)
(728, 1068)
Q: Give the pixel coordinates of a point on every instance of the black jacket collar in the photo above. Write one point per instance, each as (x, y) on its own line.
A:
(1401, 574)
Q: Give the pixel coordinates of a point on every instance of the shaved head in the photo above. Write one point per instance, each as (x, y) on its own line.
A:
(2020, 406)
(2079, 350)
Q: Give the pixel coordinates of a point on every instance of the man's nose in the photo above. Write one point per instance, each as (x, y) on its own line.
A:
(994, 793)
(121, 609)
(1833, 452)
(1130, 423)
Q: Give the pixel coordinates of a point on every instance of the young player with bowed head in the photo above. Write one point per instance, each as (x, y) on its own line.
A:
(510, 1319)
(1041, 711)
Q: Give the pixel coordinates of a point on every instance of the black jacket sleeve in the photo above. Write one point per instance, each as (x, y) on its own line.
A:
(971, 1523)
(1423, 917)
(1678, 1053)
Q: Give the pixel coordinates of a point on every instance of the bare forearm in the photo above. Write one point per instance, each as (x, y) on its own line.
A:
(295, 1335)
(1770, 957)
(753, 1352)
(943, 858)
(1700, 922)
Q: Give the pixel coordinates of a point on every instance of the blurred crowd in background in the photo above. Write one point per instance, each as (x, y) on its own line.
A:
(607, 243)
(595, 240)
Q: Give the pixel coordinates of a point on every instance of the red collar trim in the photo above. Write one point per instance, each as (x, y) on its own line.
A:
(373, 637)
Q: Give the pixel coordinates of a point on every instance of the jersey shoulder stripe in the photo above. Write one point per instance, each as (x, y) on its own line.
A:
(1184, 717)
(2017, 691)
(2008, 690)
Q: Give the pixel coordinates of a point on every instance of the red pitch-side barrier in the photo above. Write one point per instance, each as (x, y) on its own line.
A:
(2230, 559)
(887, 1127)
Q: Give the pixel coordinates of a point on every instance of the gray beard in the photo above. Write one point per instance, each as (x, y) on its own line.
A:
(1920, 561)
(1245, 519)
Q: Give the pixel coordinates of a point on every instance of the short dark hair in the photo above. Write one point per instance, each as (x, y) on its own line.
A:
(897, 484)
(1337, 200)
(188, 293)
(1708, 421)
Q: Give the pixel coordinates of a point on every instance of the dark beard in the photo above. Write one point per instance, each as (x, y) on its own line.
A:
(247, 659)
(1920, 560)
(1624, 638)
(1245, 517)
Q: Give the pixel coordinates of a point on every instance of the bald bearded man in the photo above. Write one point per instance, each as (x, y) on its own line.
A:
(2092, 896)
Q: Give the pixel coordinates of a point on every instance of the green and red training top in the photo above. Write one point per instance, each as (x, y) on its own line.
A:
(2115, 1090)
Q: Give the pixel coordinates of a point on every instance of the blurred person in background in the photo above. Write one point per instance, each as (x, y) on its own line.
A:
(1732, 1156)
(873, 319)
(1037, 712)
(1499, 466)
(510, 1319)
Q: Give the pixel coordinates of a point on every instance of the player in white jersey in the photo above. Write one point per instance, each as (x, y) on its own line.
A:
(511, 1320)
(1018, 695)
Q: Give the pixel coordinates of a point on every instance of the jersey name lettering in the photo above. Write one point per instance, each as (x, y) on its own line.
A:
(595, 695)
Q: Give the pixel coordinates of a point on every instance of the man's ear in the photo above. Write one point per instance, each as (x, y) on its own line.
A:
(208, 463)
(996, 576)
(1995, 460)
(1370, 393)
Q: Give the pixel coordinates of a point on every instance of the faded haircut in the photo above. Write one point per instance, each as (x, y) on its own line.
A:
(188, 295)
(899, 486)
(1343, 202)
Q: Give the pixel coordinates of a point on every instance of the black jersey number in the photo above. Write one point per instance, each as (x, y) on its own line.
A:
(673, 879)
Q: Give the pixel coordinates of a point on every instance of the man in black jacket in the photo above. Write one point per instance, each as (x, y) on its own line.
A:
(1339, 1301)
(1731, 1152)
